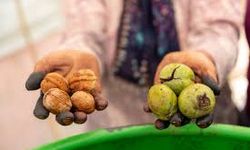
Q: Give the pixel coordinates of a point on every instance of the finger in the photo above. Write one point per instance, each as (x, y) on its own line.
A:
(205, 121)
(100, 102)
(34, 80)
(54, 62)
(198, 61)
(80, 117)
(146, 108)
(211, 83)
(177, 119)
(185, 121)
(59, 61)
(90, 62)
(157, 73)
(40, 111)
(161, 124)
(65, 118)
(197, 79)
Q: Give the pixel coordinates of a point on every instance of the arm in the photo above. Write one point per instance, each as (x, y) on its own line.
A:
(214, 29)
(81, 46)
(211, 51)
(85, 26)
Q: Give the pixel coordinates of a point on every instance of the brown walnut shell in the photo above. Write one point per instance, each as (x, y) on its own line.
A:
(54, 80)
(57, 101)
(83, 101)
(83, 80)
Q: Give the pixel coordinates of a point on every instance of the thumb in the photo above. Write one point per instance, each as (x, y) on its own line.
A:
(54, 62)
(209, 81)
(34, 80)
(199, 62)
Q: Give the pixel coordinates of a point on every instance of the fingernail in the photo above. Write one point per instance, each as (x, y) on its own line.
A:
(205, 121)
(34, 80)
(100, 102)
(212, 84)
(177, 119)
(80, 117)
(65, 118)
(161, 124)
(40, 111)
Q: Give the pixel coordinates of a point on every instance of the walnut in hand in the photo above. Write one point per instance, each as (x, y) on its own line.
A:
(57, 101)
(82, 80)
(54, 80)
(83, 101)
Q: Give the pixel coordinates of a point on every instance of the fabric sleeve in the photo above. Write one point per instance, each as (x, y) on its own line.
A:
(85, 27)
(214, 27)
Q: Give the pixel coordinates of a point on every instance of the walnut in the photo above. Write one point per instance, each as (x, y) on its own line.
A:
(54, 80)
(83, 101)
(83, 80)
(57, 101)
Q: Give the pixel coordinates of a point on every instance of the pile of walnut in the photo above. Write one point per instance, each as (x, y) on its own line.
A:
(70, 99)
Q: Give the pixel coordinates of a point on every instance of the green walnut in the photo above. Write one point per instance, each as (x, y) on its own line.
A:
(177, 76)
(196, 100)
(162, 101)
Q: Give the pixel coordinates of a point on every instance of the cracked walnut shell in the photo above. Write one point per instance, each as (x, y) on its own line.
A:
(83, 80)
(57, 101)
(54, 80)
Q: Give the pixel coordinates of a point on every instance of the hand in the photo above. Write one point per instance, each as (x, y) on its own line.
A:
(65, 63)
(205, 71)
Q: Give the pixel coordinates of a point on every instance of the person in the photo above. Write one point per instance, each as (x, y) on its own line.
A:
(127, 42)
(245, 113)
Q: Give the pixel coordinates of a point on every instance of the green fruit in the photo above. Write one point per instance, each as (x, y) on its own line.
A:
(177, 76)
(196, 100)
(162, 101)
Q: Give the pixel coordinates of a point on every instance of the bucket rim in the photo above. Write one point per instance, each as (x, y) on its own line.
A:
(109, 134)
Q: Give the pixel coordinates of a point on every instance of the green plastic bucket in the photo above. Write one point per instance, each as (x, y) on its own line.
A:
(146, 137)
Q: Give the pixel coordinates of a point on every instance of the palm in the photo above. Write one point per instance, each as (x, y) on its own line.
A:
(64, 63)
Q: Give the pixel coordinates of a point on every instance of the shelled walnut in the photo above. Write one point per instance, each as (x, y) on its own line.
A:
(54, 80)
(82, 80)
(83, 101)
(57, 101)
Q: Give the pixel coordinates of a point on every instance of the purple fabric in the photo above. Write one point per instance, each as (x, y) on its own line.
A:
(247, 29)
(147, 32)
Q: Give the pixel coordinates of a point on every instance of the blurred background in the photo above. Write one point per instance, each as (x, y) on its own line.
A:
(28, 30)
